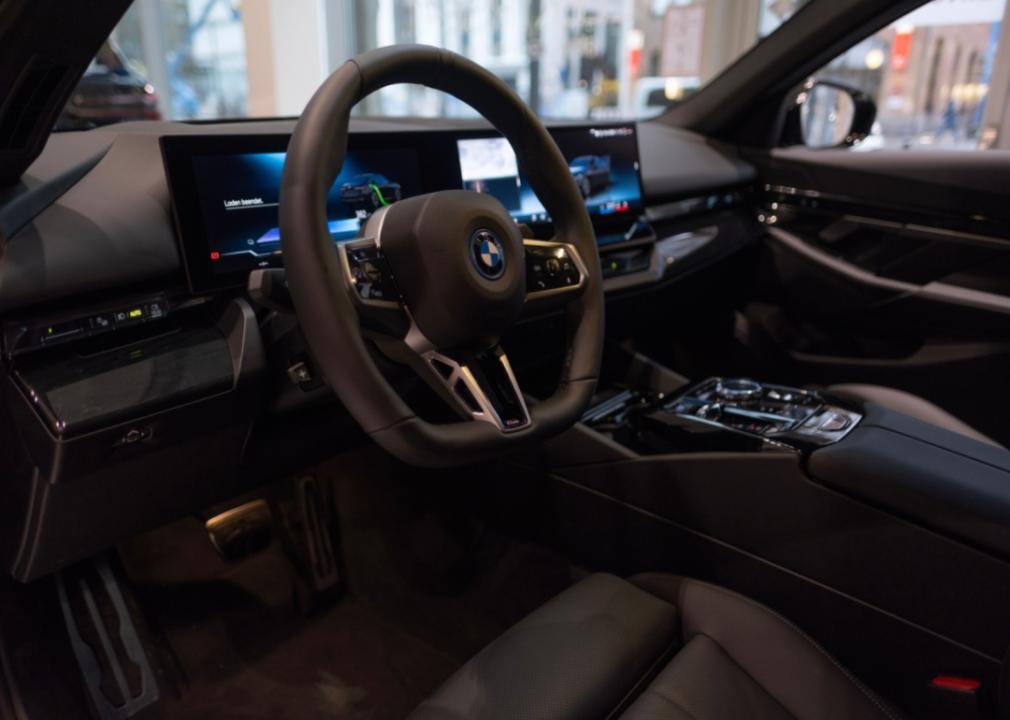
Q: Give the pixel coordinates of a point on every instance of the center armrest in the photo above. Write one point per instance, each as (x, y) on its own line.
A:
(949, 482)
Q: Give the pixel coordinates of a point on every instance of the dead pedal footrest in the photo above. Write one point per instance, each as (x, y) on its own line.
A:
(114, 666)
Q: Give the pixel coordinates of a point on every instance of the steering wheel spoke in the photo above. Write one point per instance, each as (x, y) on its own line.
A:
(555, 273)
(480, 386)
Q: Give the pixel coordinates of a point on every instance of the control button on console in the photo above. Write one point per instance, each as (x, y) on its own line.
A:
(835, 423)
(135, 435)
(738, 389)
(101, 321)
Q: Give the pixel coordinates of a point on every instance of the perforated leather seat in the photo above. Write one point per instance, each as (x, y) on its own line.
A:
(657, 647)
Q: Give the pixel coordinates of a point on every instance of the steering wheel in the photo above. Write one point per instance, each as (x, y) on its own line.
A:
(434, 280)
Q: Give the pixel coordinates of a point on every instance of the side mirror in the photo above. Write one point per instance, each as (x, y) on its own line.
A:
(828, 114)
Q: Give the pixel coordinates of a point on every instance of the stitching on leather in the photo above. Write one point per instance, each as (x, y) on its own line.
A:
(871, 696)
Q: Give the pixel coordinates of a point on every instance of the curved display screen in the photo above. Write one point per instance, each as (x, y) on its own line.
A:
(603, 161)
(238, 196)
(226, 189)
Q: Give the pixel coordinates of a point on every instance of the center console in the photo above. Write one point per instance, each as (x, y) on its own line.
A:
(723, 414)
(951, 483)
(883, 536)
(772, 413)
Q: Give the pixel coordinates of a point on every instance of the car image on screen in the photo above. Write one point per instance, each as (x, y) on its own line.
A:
(591, 173)
(369, 191)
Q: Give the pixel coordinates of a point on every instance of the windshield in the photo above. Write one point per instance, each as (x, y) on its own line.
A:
(571, 59)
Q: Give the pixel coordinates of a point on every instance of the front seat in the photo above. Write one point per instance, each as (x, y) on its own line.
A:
(656, 647)
(912, 405)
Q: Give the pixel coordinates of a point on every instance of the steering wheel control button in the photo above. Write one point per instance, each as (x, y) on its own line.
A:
(370, 273)
(300, 373)
(487, 253)
(550, 266)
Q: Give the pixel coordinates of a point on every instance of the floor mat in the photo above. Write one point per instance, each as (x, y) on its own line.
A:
(233, 645)
(426, 587)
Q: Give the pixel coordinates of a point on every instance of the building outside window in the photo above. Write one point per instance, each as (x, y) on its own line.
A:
(933, 74)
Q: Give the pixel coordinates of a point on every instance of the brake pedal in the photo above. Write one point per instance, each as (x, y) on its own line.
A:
(109, 653)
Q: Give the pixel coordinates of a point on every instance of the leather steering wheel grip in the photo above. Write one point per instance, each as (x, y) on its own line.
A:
(325, 310)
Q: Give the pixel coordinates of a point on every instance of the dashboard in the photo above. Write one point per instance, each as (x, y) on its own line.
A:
(226, 190)
(138, 219)
(144, 380)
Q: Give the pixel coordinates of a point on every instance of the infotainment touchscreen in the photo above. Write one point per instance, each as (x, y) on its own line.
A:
(603, 161)
(238, 197)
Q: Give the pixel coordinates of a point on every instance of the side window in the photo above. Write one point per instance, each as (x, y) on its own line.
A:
(940, 77)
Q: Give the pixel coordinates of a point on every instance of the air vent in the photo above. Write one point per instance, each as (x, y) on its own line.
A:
(23, 111)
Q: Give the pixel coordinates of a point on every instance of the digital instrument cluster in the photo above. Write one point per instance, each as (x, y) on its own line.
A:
(226, 190)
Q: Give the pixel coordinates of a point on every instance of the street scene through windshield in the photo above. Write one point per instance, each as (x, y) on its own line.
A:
(929, 72)
(584, 59)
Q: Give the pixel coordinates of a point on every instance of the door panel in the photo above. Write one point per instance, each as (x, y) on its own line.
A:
(890, 268)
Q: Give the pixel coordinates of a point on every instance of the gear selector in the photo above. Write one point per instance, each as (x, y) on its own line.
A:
(771, 412)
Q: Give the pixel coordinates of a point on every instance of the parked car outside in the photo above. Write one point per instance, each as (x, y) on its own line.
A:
(110, 91)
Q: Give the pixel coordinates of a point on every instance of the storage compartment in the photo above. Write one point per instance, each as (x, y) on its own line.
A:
(77, 394)
(113, 442)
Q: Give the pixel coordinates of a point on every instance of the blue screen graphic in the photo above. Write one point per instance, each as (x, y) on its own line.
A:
(238, 192)
(239, 198)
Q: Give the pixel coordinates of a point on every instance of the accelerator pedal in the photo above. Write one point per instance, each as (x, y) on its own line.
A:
(308, 532)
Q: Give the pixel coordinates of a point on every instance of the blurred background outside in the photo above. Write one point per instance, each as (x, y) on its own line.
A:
(939, 75)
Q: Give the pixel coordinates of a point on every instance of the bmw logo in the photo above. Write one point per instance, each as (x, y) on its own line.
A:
(487, 254)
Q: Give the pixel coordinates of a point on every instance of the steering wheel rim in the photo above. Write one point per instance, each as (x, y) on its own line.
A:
(325, 307)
